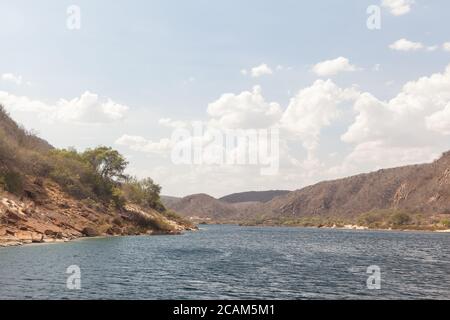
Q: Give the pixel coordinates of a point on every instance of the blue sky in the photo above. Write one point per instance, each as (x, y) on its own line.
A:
(170, 59)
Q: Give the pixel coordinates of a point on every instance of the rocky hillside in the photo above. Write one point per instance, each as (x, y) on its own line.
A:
(202, 208)
(53, 216)
(422, 189)
(415, 197)
(253, 196)
(49, 195)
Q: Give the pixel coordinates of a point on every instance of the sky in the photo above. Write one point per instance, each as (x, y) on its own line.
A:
(343, 97)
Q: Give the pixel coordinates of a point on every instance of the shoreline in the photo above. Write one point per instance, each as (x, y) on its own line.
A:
(9, 244)
(349, 227)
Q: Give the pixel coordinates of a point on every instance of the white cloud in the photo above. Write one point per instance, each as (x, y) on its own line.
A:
(413, 127)
(247, 110)
(88, 108)
(406, 45)
(138, 143)
(418, 119)
(398, 7)
(440, 121)
(167, 122)
(446, 46)
(314, 108)
(333, 67)
(261, 70)
(375, 155)
(10, 77)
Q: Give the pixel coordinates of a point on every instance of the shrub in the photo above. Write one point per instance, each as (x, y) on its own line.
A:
(89, 203)
(89, 175)
(13, 182)
(445, 223)
(2, 183)
(399, 219)
(152, 223)
(144, 193)
(371, 219)
(172, 215)
(118, 198)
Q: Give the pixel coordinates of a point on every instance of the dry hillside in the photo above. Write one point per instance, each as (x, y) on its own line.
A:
(415, 197)
(50, 195)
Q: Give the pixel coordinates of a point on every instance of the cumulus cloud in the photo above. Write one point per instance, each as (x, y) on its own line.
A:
(406, 45)
(314, 108)
(88, 108)
(440, 121)
(10, 77)
(375, 155)
(368, 133)
(332, 67)
(418, 119)
(138, 143)
(247, 110)
(258, 71)
(398, 7)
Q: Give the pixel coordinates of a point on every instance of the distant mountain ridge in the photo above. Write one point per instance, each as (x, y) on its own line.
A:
(232, 208)
(418, 193)
(253, 196)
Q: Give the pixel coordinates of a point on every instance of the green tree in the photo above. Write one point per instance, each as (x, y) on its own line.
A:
(107, 162)
(398, 219)
(152, 192)
(143, 192)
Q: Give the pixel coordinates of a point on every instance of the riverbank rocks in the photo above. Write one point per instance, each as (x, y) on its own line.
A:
(90, 232)
(53, 234)
(50, 215)
(114, 230)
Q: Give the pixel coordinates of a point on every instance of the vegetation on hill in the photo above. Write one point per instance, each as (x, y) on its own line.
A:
(376, 219)
(253, 196)
(411, 197)
(93, 177)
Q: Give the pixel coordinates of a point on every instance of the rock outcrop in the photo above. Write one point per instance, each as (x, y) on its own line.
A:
(53, 216)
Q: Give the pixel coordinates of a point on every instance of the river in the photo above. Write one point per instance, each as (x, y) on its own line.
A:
(231, 262)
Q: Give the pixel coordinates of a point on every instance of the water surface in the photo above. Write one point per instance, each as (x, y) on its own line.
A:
(230, 262)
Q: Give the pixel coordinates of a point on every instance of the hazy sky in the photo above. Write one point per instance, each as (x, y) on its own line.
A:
(345, 98)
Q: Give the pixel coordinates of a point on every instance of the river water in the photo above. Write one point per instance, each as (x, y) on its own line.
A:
(231, 262)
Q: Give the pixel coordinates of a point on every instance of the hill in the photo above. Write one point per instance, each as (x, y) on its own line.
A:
(419, 193)
(410, 197)
(202, 207)
(47, 194)
(253, 196)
